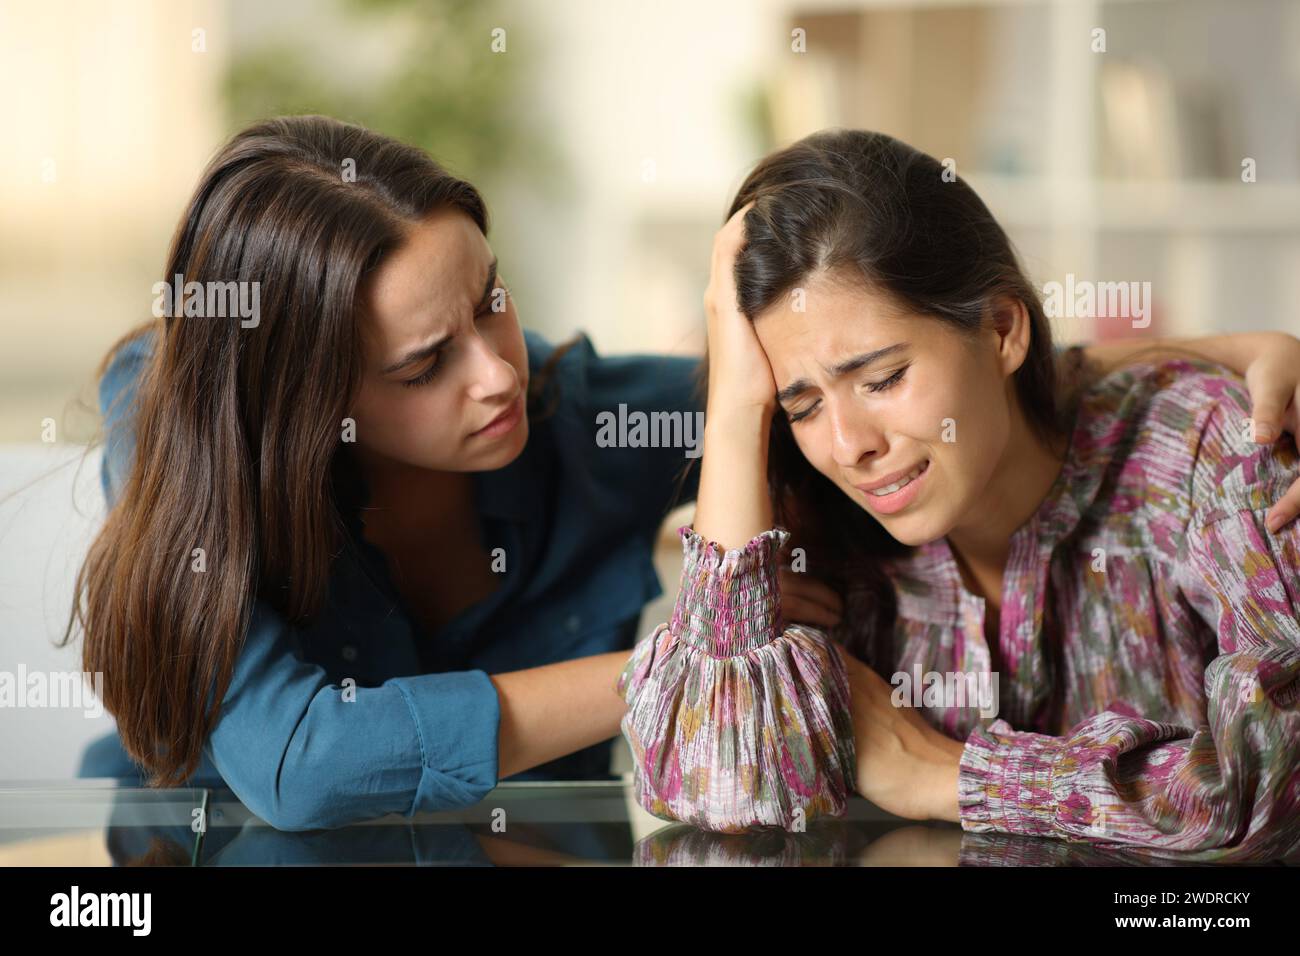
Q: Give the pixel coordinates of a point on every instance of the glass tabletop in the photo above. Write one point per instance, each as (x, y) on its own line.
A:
(573, 823)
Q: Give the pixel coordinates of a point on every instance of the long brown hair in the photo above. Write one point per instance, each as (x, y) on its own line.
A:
(883, 212)
(872, 207)
(237, 430)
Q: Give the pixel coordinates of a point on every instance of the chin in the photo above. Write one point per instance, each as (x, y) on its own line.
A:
(918, 538)
(913, 530)
(510, 448)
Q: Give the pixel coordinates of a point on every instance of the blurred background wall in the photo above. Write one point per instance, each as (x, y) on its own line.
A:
(608, 138)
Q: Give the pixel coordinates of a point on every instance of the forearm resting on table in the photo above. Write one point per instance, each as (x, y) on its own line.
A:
(554, 710)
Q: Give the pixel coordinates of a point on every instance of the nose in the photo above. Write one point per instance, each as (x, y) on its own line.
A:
(855, 437)
(491, 377)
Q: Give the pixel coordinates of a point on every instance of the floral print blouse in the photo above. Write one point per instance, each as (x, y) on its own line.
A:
(1147, 657)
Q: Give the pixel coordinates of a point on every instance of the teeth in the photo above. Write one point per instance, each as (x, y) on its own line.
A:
(890, 489)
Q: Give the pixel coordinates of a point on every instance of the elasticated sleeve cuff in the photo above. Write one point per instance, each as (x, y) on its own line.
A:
(732, 722)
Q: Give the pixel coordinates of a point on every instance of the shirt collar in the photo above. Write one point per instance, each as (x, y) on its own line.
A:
(1094, 439)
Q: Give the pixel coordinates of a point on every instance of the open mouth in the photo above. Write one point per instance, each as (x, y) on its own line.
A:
(898, 494)
(901, 482)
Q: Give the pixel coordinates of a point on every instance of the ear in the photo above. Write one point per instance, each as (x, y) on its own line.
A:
(1011, 325)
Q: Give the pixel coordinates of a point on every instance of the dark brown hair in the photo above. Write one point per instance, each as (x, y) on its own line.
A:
(877, 211)
(237, 431)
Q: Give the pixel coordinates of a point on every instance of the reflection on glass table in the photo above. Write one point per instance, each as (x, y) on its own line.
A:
(582, 823)
(85, 822)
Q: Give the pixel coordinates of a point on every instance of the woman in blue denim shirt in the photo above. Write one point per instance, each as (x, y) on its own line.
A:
(577, 543)
(370, 518)
(379, 395)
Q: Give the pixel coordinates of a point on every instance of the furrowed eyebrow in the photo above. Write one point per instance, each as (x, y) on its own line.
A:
(799, 386)
(424, 351)
(416, 355)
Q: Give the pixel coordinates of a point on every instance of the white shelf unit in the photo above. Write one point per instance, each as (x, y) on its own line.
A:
(1013, 90)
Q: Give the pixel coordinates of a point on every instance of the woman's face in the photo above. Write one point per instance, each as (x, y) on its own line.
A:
(876, 394)
(445, 368)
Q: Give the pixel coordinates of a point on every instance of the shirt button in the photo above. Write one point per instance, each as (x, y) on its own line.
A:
(349, 652)
(573, 623)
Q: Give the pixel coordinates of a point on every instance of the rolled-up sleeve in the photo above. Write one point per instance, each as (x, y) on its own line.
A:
(306, 753)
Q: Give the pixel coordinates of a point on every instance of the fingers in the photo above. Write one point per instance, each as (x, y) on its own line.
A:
(1285, 510)
(809, 588)
(1269, 400)
(1274, 412)
(804, 601)
(728, 240)
(734, 230)
(809, 596)
(720, 292)
(801, 611)
(727, 243)
(851, 663)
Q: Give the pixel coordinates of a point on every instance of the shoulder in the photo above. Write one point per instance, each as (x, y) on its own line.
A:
(623, 428)
(1171, 406)
(119, 386)
(1164, 389)
(1188, 422)
(540, 348)
(634, 419)
(586, 380)
(126, 363)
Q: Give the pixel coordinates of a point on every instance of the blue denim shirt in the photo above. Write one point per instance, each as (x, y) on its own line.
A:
(577, 523)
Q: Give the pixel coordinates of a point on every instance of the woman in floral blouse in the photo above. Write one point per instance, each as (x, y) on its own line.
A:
(1090, 558)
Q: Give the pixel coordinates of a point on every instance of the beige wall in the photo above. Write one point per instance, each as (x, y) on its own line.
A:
(108, 116)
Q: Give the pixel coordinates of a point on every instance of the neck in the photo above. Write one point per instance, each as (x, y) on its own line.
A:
(409, 501)
(1028, 469)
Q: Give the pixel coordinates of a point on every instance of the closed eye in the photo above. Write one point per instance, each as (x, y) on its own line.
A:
(800, 416)
(887, 383)
(425, 377)
(880, 386)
